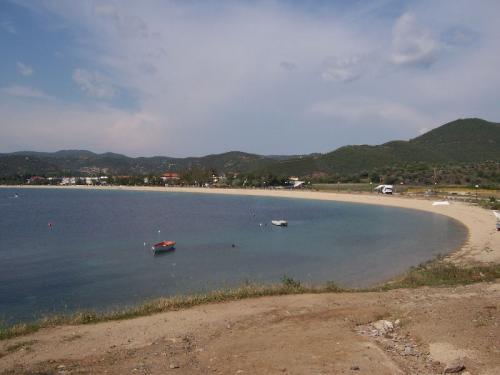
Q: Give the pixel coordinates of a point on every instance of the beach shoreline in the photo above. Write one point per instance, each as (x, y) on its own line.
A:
(481, 247)
(292, 334)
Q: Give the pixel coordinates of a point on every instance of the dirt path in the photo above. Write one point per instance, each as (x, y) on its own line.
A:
(302, 334)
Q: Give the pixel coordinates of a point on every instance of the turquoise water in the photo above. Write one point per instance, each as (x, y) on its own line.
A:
(93, 256)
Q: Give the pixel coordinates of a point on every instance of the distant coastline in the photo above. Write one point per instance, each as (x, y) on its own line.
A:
(482, 245)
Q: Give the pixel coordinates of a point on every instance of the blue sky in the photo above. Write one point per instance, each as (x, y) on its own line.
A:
(184, 78)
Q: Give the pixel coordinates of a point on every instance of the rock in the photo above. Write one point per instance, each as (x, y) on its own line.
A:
(454, 367)
(173, 365)
(408, 350)
(383, 326)
(397, 323)
(355, 368)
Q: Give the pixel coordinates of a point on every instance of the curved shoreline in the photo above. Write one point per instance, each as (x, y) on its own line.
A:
(231, 333)
(482, 245)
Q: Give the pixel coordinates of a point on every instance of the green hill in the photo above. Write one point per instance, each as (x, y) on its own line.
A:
(468, 140)
(460, 141)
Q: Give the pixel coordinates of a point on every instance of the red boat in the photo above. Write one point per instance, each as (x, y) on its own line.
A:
(163, 246)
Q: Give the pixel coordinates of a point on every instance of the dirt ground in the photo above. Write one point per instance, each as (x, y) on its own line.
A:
(301, 334)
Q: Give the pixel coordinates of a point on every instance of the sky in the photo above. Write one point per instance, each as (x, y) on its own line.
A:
(190, 78)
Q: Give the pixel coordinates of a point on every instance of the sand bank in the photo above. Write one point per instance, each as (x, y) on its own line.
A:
(482, 245)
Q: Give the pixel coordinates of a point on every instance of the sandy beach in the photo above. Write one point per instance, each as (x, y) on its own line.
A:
(300, 334)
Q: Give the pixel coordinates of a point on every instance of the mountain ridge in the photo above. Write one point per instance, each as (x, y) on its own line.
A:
(471, 140)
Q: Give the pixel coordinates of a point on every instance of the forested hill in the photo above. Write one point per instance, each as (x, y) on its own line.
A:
(460, 141)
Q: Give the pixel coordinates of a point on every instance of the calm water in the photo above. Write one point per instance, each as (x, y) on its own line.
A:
(94, 256)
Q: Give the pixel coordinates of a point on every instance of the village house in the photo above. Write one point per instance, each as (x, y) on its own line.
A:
(170, 178)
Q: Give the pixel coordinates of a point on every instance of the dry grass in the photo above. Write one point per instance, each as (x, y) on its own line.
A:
(441, 273)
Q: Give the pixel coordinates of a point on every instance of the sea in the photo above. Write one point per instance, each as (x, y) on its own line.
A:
(65, 250)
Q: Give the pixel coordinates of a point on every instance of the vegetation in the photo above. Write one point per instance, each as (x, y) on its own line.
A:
(492, 203)
(461, 152)
(441, 273)
(291, 283)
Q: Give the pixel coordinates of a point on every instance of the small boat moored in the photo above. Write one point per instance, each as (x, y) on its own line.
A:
(163, 246)
(279, 223)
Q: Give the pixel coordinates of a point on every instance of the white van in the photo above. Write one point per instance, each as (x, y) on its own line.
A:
(385, 189)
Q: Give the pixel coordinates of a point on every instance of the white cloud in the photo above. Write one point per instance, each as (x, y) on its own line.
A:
(47, 127)
(288, 65)
(376, 112)
(25, 92)
(24, 69)
(412, 42)
(244, 74)
(94, 84)
(342, 69)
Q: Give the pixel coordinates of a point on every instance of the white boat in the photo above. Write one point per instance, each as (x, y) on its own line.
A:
(441, 203)
(279, 223)
(497, 215)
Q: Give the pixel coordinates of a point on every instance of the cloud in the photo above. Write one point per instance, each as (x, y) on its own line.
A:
(412, 43)
(47, 127)
(94, 84)
(25, 92)
(209, 77)
(342, 69)
(127, 25)
(8, 27)
(288, 65)
(361, 109)
(459, 36)
(24, 69)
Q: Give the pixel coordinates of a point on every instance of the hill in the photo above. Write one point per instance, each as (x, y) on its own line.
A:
(81, 162)
(460, 141)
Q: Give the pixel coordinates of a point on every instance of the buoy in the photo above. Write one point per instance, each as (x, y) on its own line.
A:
(233, 245)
